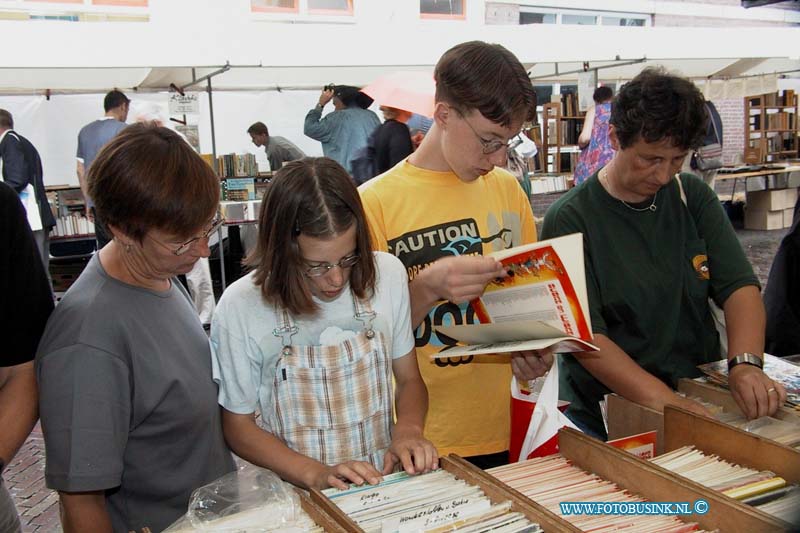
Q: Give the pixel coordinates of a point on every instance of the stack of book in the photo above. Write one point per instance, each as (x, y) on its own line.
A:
(753, 487)
(437, 501)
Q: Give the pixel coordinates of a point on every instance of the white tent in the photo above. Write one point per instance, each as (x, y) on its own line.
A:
(273, 72)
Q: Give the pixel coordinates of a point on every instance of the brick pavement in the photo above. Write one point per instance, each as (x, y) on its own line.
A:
(38, 506)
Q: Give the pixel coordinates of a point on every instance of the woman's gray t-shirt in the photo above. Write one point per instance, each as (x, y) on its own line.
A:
(127, 402)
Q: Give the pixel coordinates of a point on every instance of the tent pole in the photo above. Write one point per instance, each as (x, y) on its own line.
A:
(211, 114)
(214, 155)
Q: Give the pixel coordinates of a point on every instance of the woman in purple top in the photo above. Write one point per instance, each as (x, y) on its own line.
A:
(593, 140)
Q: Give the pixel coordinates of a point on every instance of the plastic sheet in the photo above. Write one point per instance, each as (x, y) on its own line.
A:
(249, 500)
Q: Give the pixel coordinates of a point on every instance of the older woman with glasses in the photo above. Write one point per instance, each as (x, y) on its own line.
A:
(313, 337)
(128, 405)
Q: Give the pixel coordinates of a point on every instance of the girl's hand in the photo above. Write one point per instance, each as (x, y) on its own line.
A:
(409, 448)
(340, 475)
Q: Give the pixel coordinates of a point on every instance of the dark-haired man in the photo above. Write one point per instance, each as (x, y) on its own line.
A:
(439, 211)
(279, 150)
(657, 245)
(22, 171)
(91, 139)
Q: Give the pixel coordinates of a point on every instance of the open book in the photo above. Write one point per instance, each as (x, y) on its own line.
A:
(542, 303)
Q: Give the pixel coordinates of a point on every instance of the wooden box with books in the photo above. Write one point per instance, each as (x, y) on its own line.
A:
(722, 397)
(456, 496)
(633, 480)
(660, 485)
(318, 514)
(684, 428)
(626, 418)
(752, 473)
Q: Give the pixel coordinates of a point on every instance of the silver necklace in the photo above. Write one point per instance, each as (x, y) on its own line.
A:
(651, 207)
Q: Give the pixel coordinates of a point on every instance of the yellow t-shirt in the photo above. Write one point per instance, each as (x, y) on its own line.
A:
(421, 216)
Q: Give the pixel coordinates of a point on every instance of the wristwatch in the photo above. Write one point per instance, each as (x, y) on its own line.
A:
(746, 358)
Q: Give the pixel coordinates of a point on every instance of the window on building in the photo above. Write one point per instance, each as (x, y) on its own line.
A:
(448, 9)
(62, 18)
(531, 17)
(623, 21)
(274, 6)
(303, 7)
(583, 20)
(331, 7)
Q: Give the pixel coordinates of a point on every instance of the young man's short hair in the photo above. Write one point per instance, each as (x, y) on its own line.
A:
(258, 128)
(114, 99)
(488, 78)
(656, 105)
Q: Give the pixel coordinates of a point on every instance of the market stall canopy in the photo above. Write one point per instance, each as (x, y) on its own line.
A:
(297, 57)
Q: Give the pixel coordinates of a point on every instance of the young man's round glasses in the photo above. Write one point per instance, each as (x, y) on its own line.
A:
(212, 228)
(489, 146)
(323, 268)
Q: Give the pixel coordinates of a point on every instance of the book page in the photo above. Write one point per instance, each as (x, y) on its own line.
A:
(541, 303)
(546, 282)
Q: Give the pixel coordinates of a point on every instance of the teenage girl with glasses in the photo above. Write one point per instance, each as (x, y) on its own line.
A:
(312, 338)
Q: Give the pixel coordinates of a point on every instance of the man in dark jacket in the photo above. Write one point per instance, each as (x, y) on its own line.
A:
(22, 170)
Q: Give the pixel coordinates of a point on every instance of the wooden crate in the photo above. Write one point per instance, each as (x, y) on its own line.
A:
(495, 490)
(722, 397)
(318, 514)
(626, 418)
(684, 428)
(660, 485)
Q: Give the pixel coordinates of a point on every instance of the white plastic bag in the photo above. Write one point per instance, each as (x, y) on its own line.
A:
(248, 500)
(542, 435)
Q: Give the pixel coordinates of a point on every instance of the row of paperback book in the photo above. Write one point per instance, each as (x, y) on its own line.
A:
(73, 225)
(548, 184)
(233, 165)
(243, 189)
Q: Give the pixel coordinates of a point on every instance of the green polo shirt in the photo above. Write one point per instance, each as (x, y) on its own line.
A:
(649, 276)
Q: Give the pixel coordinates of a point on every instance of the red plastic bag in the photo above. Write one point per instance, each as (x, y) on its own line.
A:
(536, 419)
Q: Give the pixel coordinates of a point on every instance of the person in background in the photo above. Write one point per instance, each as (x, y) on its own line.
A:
(389, 144)
(596, 149)
(27, 302)
(392, 139)
(782, 295)
(439, 211)
(91, 139)
(128, 405)
(279, 150)
(316, 338)
(22, 170)
(657, 246)
(344, 131)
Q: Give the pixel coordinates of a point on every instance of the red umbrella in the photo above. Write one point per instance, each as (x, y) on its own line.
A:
(409, 90)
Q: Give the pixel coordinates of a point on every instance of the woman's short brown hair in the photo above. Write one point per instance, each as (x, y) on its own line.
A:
(315, 197)
(148, 177)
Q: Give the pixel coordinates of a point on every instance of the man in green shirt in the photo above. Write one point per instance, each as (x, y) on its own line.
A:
(657, 245)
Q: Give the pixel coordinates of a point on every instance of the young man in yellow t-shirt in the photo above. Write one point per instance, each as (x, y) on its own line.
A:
(439, 211)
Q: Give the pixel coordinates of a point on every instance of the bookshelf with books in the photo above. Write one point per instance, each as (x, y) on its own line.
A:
(69, 210)
(772, 130)
(561, 126)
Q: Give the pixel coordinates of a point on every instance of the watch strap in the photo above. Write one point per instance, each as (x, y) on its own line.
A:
(746, 359)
